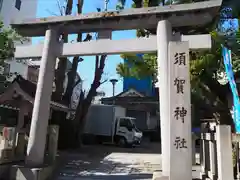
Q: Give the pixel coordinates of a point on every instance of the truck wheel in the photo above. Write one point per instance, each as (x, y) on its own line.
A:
(122, 142)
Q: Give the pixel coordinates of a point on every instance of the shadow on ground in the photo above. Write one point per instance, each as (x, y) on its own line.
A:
(108, 162)
(105, 162)
(117, 177)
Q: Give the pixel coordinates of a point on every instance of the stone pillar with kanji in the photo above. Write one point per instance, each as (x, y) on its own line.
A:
(180, 112)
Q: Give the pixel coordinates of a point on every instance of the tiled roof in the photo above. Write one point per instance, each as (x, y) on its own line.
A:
(30, 89)
(27, 86)
(10, 104)
(132, 99)
(129, 99)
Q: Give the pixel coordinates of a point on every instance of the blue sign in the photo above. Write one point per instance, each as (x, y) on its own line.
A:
(230, 75)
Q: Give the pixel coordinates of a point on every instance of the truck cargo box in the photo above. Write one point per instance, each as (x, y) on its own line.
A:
(101, 119)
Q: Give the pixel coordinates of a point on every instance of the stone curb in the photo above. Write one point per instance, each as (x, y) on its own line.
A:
(157, 175)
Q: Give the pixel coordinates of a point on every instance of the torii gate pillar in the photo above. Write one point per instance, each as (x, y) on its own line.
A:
(41, 109)
(164, 36)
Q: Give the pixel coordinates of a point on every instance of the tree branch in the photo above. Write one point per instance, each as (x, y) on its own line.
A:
(79, 6)
(60, 8)
(76, 83)
(103, 81)
(219, 90)
(62, 64)
(76, 60)
(52, 13)
(69, 7)
(96, 63)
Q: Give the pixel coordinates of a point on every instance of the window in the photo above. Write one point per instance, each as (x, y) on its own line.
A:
(125, 122)
(18, 4)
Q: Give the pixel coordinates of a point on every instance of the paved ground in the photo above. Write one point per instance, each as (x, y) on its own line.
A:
(111, 163)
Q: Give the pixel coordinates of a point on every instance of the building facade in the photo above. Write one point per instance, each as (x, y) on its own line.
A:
(143, 85)
(145, 118)
(11, 10)
(29, 70)
(17, 9)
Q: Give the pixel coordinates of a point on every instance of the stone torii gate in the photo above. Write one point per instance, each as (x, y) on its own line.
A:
(165, 18)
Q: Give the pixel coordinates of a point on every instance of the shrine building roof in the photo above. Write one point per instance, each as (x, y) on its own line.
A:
(26, 90)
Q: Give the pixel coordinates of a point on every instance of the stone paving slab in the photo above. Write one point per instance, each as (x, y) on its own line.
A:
(113, 166)
(108, 164)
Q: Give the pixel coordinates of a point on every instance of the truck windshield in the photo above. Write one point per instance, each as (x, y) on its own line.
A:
(135, 127)
(126, 122)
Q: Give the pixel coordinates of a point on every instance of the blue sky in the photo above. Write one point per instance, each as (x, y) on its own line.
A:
(86, 68)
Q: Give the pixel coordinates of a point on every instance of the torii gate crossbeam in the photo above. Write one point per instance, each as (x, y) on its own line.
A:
(109, 47)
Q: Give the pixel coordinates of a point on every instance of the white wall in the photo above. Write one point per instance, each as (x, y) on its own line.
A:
(19, 68)
(9, 12)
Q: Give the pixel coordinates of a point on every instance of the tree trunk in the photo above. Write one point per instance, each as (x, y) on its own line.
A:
(62, 64)
(59, 79)
(71, 81)
(73, 72)
(66, 126)
(84, 103)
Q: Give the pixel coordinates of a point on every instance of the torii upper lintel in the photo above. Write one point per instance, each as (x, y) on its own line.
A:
(182, 15)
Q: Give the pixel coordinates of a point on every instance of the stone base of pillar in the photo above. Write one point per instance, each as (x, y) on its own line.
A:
(203, 176)
(6, 155)
(27, 173)
(212, 176)
(157, 175)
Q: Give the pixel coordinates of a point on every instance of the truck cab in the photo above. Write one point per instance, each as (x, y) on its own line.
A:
(126, 132)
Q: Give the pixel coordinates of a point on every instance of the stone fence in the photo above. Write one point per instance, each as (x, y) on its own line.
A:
(13, 146)
(210, 156)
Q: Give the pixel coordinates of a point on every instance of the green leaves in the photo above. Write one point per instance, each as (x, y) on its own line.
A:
(7, 38)
(135, 66)
(120, 5)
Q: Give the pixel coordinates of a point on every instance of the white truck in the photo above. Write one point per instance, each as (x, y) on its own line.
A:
(108, 123)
